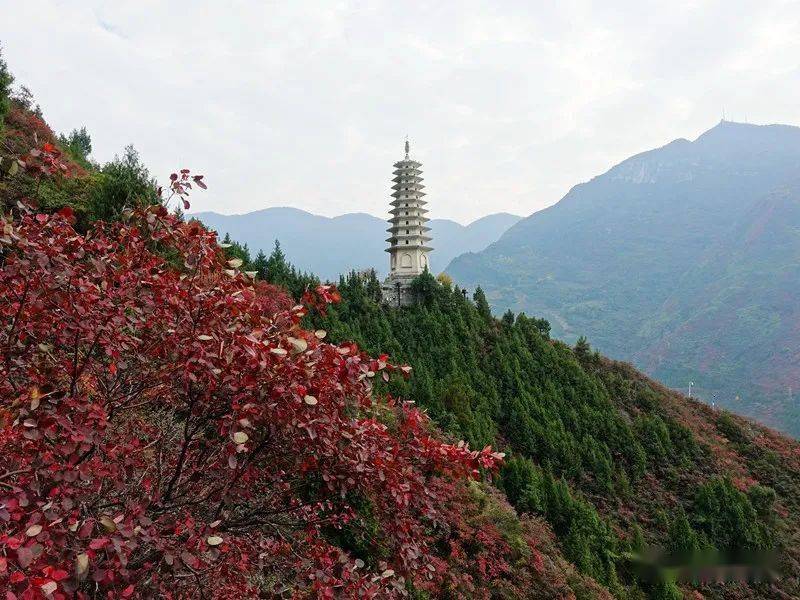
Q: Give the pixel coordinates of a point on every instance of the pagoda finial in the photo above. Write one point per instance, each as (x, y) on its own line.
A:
(408, 147)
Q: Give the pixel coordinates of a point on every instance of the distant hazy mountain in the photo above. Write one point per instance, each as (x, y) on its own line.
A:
(351, 241)
(684, 260)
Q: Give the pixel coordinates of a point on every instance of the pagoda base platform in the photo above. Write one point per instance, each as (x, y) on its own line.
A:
(396, 290)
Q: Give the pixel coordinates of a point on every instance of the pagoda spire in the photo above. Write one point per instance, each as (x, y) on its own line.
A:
(408, 231)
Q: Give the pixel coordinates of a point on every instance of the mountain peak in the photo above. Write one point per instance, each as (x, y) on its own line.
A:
(737, 132)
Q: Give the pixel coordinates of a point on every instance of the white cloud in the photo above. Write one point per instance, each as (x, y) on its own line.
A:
(307, 103)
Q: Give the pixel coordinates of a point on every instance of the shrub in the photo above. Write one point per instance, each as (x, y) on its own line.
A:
(168, 427)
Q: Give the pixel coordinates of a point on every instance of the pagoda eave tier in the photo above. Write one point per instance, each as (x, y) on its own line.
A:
(411, 223)
(408, 222)
(404, 164)
(409, 247)
(417, 207)
(407, 177)
(396, 238)
(411, 185)
(394, 230)
(417, 201)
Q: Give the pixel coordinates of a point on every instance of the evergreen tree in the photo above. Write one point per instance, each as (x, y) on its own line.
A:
(278, 270)
(78, 144)
(582, 348)
(481, 303)
(728, 518)
(6, 79)
(121, 183)
(260, 265)
(682, 539)
(374, 287)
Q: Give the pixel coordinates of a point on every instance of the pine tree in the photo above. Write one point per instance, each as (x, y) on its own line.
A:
(278, 270)
(374, 287)
(582, 348)
(682, 539)
(481, 303)
(78, 143)
(260, 265)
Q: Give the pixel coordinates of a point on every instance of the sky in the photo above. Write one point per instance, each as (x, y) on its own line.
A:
(308, 104)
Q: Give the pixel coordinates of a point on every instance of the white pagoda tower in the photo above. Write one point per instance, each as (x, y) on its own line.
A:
(408, 242)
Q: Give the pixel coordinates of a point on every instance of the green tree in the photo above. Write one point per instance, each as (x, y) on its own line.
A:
(277, 266)
(481, 303)
(78, 144)
(682, 539)
(122, 183)
(6, 79)
(373, 287)
(260, 265)
(582, 348)
(425, 288)
(728, 518)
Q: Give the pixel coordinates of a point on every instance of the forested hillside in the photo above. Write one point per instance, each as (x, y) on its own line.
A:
(683, 260)
(612, 460)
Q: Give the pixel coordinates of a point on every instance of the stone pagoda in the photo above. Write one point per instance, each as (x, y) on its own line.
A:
(408, 240)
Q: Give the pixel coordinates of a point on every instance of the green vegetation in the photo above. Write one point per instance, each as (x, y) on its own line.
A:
(592, 449)
(6, 79)
(122, 183)
(78, 144)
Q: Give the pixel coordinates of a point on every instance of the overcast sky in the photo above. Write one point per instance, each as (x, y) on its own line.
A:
(307, 104)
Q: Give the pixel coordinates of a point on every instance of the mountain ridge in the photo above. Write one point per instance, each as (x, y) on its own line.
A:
(355, 240)
(616, 252)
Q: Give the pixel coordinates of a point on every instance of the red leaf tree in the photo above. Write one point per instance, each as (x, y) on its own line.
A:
(168, 428)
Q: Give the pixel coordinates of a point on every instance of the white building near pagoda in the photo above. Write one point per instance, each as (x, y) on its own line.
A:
(408, 242)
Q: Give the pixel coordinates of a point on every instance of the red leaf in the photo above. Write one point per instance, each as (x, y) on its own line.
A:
(58, 574)
(17, 577)
(98, 543)
(24, 557)
(67, 213)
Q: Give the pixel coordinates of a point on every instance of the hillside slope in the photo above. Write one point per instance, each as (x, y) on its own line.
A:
(612, 460)
(243, 539)
(353, 241)
(665, 250)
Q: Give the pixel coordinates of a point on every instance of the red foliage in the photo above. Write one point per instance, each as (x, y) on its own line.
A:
(168, 427)
(24, 130)
(180, 184)
(46, 161)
